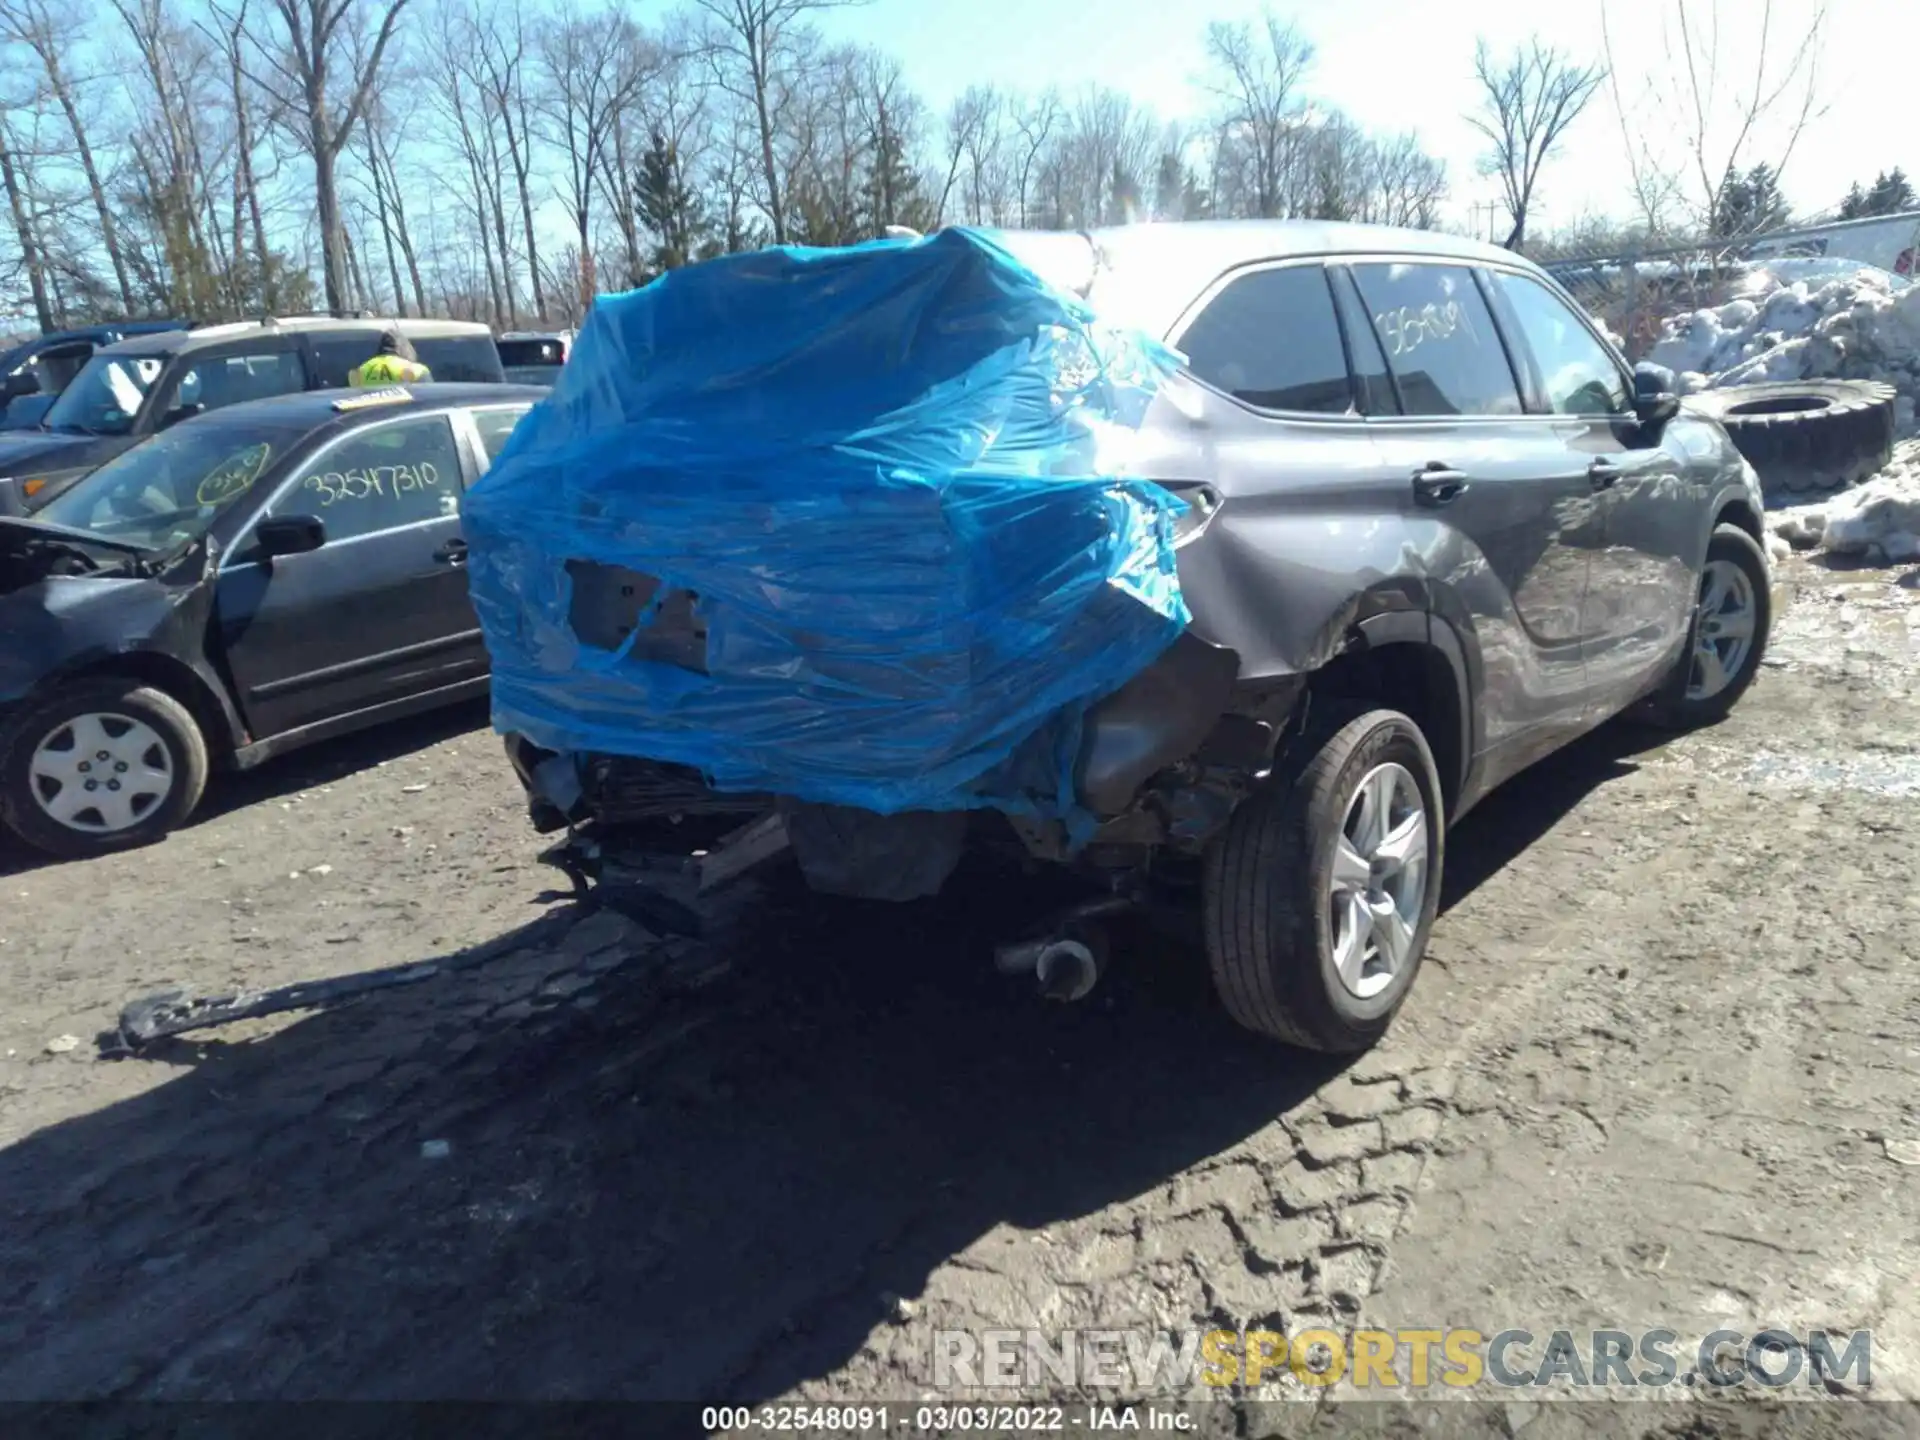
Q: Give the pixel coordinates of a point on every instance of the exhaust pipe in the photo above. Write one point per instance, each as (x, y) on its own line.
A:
(1067, 970)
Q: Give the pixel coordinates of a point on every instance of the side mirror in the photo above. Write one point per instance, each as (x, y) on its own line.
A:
(1656, 394)
(289, 535)
(21, 382)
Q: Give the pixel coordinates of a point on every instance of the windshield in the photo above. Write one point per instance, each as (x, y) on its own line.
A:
(106, 394)
(169, 489)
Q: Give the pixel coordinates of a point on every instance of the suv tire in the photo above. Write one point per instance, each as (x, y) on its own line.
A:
(1734, 562)
(1303, 878)
(145, 734)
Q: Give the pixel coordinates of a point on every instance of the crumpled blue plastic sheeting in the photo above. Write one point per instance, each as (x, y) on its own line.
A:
(885, 472)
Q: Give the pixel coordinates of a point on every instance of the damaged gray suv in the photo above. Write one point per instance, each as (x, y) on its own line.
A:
(1437, 528)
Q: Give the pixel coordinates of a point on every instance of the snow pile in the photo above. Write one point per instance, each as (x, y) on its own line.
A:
(1878, 521)
(1856, 327)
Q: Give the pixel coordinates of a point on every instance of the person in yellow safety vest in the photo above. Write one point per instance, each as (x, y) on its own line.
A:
(395, 364)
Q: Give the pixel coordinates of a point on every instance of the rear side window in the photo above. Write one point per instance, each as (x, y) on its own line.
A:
(470, 358)
(449, 358)
(337, 354)
(1439, 338)
(1578, 373)
(495, 426)
(1270, 339)
(531, 352)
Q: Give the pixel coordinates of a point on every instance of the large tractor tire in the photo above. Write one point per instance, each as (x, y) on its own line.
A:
(1809, 437)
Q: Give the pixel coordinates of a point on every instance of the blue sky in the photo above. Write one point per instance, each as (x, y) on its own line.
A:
(1407, 64)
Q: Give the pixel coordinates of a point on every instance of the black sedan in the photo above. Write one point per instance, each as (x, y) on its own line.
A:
(264, 576)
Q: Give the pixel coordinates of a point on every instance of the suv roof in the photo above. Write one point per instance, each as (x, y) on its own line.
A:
(173, 342)
(1145, 275)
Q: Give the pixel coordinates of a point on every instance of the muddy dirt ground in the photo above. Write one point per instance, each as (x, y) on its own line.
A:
(1659, 1070)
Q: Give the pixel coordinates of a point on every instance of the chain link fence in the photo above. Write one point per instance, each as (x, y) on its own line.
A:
(1634, 292)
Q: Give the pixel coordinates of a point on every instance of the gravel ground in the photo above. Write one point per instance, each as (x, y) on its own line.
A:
(1659, 1071)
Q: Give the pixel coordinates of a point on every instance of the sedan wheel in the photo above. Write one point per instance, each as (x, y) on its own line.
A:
(98, 765)
(101, 773)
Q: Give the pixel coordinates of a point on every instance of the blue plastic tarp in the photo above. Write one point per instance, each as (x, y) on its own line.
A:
(888, 473)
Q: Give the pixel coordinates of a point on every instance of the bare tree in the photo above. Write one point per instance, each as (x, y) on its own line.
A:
(32, 23)
(500, 47)
(246, 184)
(1406, 185)
(1257, 83)
(750, 45)
(321, 66)
(1528, 100)
(1713, 123)
(25, 234)
(593, 66)
(1035, 124)
(976, 146)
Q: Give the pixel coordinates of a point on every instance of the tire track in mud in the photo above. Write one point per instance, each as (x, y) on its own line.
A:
(1691, 1132)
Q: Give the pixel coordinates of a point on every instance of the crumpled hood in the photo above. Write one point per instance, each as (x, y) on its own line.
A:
(64, 622)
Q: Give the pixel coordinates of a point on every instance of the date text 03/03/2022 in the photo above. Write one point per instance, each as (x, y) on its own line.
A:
(942, 1419)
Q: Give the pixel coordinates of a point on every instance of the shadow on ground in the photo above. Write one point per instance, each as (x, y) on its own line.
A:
(307, 769)
(1501, 827)
(674, 1191)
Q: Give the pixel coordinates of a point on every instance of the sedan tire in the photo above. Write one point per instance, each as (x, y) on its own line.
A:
(100, 765)
(1320, 892)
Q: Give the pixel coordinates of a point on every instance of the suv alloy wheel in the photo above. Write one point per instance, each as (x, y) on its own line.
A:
(1321, 892)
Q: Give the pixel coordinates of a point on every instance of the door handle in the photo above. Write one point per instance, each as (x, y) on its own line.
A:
(1603, 474)
(1437, 485)
(454, 552)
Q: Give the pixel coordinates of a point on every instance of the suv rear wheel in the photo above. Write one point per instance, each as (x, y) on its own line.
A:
(1320, 893)
(100, 765)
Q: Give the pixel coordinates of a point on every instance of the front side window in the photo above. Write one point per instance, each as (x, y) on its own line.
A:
(1441, 346)
(171, 487)
(107, 393)
(1270, 339)
(218, 381)
(380, 478)
(495, 425)
(1580, 376)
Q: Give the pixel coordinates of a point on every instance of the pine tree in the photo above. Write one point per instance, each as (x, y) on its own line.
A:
(1170, 189)
(1123, 197)
(1891, 193)
(895, 195)
(669, 207)
(1750, 204)
(1855, 205)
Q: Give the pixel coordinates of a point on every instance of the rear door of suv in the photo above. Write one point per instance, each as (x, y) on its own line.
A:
(1512, 521)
